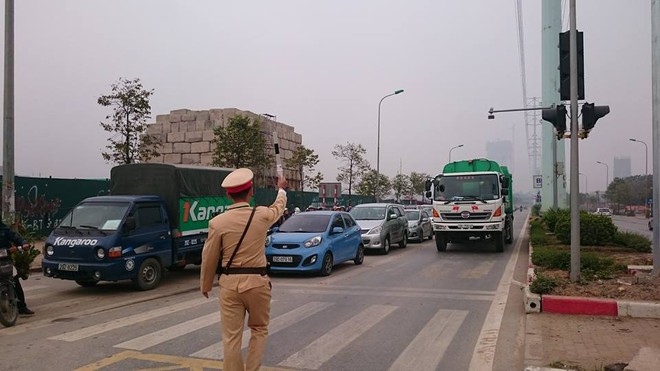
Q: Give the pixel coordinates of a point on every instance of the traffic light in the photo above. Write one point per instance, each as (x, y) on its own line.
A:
(590, 114)
(565, 65)
(557, 117)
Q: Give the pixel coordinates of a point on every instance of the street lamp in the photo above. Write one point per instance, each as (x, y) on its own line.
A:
(607, 174)
(378, 147)
(453, 148)
(646, 168)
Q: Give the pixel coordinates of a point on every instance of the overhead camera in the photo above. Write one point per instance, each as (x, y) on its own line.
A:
(491, 116)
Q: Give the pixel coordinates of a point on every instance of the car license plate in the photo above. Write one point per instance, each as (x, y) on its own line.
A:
(68, 267)
(282, 259)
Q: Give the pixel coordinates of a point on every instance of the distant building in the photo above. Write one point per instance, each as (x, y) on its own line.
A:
(621, 167)
(501, 152)
(187, 138)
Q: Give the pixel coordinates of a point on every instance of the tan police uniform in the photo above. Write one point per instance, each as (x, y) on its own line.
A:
(241, 292)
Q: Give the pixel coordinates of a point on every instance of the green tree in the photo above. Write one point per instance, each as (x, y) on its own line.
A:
(618, 193)
(131, 110)
(354, 165)
(418, 183)
(367, 185)
(241, 144)
(401, 186)
(303, 162)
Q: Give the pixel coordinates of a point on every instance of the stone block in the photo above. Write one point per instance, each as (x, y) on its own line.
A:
(190, 158)
(199, 125)
(165, 148)
(175, 117)
(154, 129)
(181, 148)
(200, 147)
(188, 117)
(181, 111)
(297, 138)
(208, 135)
(202, 115)
(206, 159)
(162, 119)
(167, 127)
(156, 160)
(158, 138)
(176, 137)
(191, 126)
(172, 158)
(193, 136)
(208, 125)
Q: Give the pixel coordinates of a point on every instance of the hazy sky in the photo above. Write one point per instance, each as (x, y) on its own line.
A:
(322, 67)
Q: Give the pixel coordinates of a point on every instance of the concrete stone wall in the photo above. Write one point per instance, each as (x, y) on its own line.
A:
(187, 137)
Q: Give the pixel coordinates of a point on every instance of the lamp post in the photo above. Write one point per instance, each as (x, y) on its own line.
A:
(378, 147)
(607, 174)
(453, 148)
(646, 169)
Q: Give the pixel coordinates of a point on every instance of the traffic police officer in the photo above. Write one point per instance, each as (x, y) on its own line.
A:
(244, 285)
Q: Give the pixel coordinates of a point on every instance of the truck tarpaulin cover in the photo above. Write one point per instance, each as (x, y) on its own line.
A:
(170, 182)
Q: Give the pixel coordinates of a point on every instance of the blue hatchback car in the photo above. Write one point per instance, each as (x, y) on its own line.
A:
(314, 241)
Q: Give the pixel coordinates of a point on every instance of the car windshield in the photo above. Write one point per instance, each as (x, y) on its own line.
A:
(104, 216)
(467, 187)
(412, 214)
(368, 213)
(305, 223)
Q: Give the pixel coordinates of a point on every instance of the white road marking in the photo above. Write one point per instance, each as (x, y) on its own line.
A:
(167, 334)
(325, 347)
(429, 346)
(278, 323)
(484, 351)
(127, 321)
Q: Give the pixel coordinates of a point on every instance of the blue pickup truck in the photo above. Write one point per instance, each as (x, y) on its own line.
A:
(155, 217)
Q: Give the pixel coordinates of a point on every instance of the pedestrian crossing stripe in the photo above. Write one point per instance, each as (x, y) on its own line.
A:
(325, 347)
(127, 321)
(176, 362)
(281, 322)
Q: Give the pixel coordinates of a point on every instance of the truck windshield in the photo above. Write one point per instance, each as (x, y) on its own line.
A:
(467, 188)
(103, 216)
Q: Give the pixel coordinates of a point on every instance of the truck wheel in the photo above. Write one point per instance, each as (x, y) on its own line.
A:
(386, 246)
(509, 232)
(499, 241)
(87, 283)
(440, 242)
(404, 242)
(149, 275)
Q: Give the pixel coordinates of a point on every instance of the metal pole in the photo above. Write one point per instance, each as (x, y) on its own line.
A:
(655, 83)
(8, 122)
(453, 148)
(378, 146)
(575, 162)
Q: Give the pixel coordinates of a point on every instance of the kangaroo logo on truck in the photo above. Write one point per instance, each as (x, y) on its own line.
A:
(71, 242)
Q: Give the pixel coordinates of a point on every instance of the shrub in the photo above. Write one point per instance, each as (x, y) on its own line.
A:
(551, 258)
(536, 210)
(552, 216)
(543, 284)
(537, 236)
(634, 241)
(595, 230)
(594, 267)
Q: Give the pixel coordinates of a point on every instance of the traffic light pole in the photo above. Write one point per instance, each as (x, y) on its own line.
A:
(655, 147)
(575, 162)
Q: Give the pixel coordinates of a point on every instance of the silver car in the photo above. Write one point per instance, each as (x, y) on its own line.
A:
(381, 225)
(419, 225)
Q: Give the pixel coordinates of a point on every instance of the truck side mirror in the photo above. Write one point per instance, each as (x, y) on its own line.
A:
(428, 194)
(427, 186)
(129, 224)
(505, 182)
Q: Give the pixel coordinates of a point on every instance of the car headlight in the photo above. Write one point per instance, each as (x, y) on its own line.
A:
(268, 240)
(100, 253)
(413, 226)
(375, 230)
(314, 241)
(49, 250)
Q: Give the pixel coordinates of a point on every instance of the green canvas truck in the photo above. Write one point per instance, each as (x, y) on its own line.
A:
(472, 199)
